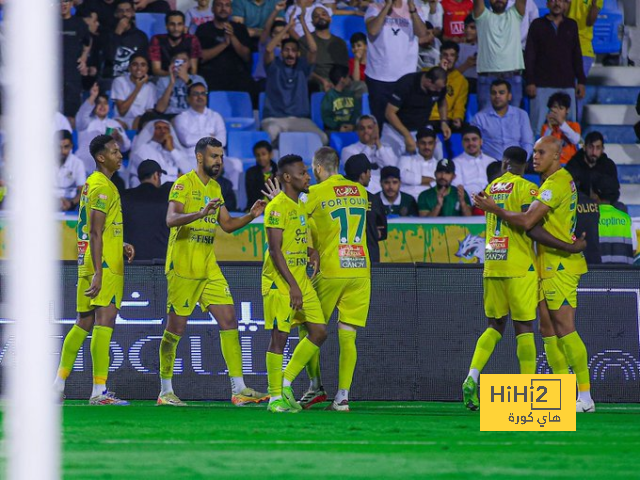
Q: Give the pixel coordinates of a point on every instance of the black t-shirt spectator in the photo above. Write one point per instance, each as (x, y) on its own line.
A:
(587, 220)
(227, 70)
(583, 174)
(161, 50)
(75, 36)
(159, 6)
(254, 182)
(106, 12)
(227, 193)
(376, 227)
(119, 48)
(414, 103)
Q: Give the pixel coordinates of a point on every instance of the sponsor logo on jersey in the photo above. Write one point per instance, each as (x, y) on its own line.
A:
(347, 191)
(178, 186)
(501, 187)
(546, 195)
(533, 192)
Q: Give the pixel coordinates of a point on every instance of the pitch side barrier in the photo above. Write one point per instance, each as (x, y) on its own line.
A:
(423, 324)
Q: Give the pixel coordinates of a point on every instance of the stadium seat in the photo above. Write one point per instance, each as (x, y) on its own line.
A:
(344, 26)
(151, 23)
(131, 134)
(235, 108)
(629, 174)
(255, 57)
(606, 95)
(606, 37)
(261, 98)
(316, 114)
(533, 178)
(472, 107)
(240, 143)
(366, 110)
(453, 146)
(304, 144)
(339, 140)
(613, 133)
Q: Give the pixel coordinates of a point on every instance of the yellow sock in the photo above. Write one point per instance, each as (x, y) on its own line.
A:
(313, 367)
(230, 344)
(555, 356)
(70, 348)
(576, 353)
(526, 352)
(348, 358)
(168, 348)
(274, 374)
(301, 356)
(100, 341)
(484, 348)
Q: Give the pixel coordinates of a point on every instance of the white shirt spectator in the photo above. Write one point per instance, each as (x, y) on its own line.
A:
(193, 18)
(296, 10)
(471, 172)
(530, 14)
(61, 122)
(383, 157)
(429, 57)
(121, 89)
(497, 51)
(434, 18)
(412, 169)
(394, 51)
(191, 126)
(71, 176)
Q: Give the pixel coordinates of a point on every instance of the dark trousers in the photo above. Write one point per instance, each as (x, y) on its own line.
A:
(379, 95)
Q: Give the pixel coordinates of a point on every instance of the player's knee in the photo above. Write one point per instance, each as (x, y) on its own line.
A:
(318, 334)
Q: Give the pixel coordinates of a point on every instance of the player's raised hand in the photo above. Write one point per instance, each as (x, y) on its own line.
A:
(129, 252)
(483, 201)
(314, 261)
(580, 243)
(258, 208)
(295, 294)
(95, 287)
(272, 187)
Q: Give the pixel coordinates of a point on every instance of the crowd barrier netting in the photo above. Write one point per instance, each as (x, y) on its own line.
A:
(423, 324)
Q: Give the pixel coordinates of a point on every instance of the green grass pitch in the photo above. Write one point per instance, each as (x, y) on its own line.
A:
(375, 440)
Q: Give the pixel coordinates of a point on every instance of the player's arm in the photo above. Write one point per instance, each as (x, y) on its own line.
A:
(274, 239)
(541, 236)
(525, 220)
(230, 224)
(177, 218)
(98, 219)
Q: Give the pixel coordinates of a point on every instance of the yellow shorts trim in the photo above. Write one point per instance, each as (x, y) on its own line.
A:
(184, 293)
(351, 296)
(561, 290)
(111, 292)
(279, 314)
(518, 296)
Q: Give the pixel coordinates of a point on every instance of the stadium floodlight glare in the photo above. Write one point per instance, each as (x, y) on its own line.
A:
(30, 77)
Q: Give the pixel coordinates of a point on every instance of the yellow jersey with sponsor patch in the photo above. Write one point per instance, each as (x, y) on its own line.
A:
(559, 193)
(508, 250)
(190, 251)
(290, 217)
(100, 194)
(338, 210)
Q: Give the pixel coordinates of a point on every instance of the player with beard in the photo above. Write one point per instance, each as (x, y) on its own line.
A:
(196, 208)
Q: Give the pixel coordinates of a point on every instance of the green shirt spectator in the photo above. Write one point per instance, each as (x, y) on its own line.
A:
(340, 108)
(443, 200)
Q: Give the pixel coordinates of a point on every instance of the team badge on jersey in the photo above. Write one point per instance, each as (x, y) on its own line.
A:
(546, 195)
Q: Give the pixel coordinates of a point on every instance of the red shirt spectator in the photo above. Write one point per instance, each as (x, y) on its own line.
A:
(362, 69)
(455, 11)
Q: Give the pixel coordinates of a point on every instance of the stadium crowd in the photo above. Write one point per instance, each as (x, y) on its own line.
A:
(413, 68)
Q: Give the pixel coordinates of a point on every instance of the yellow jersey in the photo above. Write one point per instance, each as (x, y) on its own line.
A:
(508, 250)
(559, 193)
(100, 194)
(338, 210)
(579, 11)
(190, 251)
(289, 216)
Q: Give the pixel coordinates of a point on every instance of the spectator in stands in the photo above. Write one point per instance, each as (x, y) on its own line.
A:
(553, 62)
(171, 91)
(93, 120)
(144, 212)
(617, 235)
(71, 174)
(121, 43)
(158, 141)
(494, 170)
(332, 50)
(393, 29)
(257, 176)
(253, 14)
(471, 165)
(443, 200)
(499, 48)
(591, 161)
(636, 127)
(305, 9)
(152, 6)
(468, 55)
(358, 169)
(94, 58)
(226, 53)
(429, 51)
(370, 145)
(61, 122)
(227, 190)
(199, 120)
(457, 89)
(394, 201)
(557, 125)
(286, 107)
(133, 94)
(455, 11)
(198, 15)
(530, 14)
(410, 107)
(104, 8)
(418, 169)
(585, 13)
(358, 64)
(340, 108)
(76, 44)
(164, 46)
(587, 221)
(272, 28)
(433, 13)
(503, 125)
